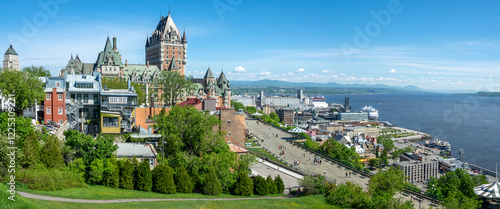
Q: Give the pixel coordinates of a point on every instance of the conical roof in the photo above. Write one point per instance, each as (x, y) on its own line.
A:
(209, 74)
(184, 37)
(222, 79)
(11, 50)
(108, 46)
(173, 65)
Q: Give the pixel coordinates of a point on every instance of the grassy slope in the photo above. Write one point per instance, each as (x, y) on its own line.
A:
(264, 153)
(107, 193)
(317, 201)
(20, 202)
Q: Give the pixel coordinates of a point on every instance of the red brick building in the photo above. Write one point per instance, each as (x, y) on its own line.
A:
(233, 123)
(54, 105)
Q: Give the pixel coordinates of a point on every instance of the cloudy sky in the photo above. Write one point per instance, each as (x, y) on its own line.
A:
(438, 45)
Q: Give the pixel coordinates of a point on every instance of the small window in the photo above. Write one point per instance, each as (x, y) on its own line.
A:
(60, 111)
(96, 100)
(48, 97)
(58, 84)
(48, 120)
(229, 122)
(48, 110)
(60, 121)
(85, 98)
(229, 134)
(79, 98)
(59, 96)
(151, 162)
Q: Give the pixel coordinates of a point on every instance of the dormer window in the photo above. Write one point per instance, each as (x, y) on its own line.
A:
(58, 84)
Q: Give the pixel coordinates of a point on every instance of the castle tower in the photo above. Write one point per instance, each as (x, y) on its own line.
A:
(167, 45)
(11, 59)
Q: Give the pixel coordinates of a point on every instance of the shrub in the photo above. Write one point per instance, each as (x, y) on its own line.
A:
(271, 186)
(143, 177)
(51, 153)
(184, 182)
(260, 186)
(313, 184)
(280, 186)
(126, 174)
(163, 180)
(96, 169)
(212, 184)
(111, 174)
(243, 185)
(44, 179)
(78, 166)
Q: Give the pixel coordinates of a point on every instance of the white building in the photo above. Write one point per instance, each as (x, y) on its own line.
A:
(11, 59)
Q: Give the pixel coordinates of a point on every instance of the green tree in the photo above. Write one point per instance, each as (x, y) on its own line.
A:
(374, 162)
(280, 186)
(348, 195)
(212, 184)
(25, 94)
(31, 150)
(119, 83)
(479, 179)
(173, 86)
(457, 200)
(271, 185)
(238, 105)
(37, 71)
(85, 147)
(163, 180)
(126, 174)
(78, 166)
(389, 181)
(260, 186)
(143, 177)
(111, 173)
(251, 109)
(384, 157)
(52, 157)
(184, 182)
(244, 185)
(22, 126)
(96, 169)
(377, 151)
(313, 185)
(388, 144)
(274, 117)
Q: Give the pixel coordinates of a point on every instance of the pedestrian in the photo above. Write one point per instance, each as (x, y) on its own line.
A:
(349, 173)
(324, 172)
(309, 158)
(320, 162)
(346, 174)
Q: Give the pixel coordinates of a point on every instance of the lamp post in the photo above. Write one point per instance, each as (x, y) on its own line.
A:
(433, 193)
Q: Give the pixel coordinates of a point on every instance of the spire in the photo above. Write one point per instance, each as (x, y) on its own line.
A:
(184, 36)
(11, 50)
(147, 41)
(77, 58)
(209, 73)
(108, 45)
(222, 79)
(83, 68)
(71, 56)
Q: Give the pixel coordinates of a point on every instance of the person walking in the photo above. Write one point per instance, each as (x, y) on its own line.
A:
(309, 158)
(324, 172)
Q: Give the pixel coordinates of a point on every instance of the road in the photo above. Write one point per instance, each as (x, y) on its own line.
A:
(294, 153)
(290, 181)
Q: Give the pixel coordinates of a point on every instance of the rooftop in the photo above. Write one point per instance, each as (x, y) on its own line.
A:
(134, 149)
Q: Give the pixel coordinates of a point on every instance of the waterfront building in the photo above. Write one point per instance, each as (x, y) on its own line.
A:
(418, 171)
(11, 59)
(286, 116)
(245, 100)
(166, 48)
(352, 116)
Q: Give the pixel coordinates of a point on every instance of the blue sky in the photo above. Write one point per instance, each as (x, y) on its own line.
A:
(435, 45)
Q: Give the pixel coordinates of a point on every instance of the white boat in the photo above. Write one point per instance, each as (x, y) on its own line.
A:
(372, 112)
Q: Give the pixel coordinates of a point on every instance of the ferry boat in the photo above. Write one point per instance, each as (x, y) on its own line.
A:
(372, 112)
(440, 144)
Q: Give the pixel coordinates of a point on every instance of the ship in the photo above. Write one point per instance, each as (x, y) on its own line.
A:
(319, 102)
(372, 112)
(439, 144)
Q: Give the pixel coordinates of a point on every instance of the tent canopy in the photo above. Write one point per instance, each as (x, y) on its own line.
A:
(488, 190)
(297, 130)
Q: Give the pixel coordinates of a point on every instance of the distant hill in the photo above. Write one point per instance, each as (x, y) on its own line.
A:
(276, 83)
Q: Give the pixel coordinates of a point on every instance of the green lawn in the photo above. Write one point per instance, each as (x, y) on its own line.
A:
(20, 202)
(317, 201)
(107, 193)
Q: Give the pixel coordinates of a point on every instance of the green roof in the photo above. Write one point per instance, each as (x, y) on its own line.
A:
(130, 68)
(109, 52)
(209, 74)
(222, 79)
(11, 50)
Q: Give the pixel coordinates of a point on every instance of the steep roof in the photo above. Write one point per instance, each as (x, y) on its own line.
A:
(166, 29)
(222, 79)
(11, 50)
(173, 65)
(209, 74)
(108, 52)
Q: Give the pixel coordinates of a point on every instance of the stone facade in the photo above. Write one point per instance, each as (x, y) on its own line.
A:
(285, 116)
(11, 59)
(233, 124)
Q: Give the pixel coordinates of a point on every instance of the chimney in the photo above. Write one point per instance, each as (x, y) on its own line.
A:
(128, 84)
(114, 43)
(126, 63)
(147, 63)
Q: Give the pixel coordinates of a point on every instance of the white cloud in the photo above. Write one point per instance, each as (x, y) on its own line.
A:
(240, 69)
(264, 72)
(392, 71)
(432, 73)
(300, 70)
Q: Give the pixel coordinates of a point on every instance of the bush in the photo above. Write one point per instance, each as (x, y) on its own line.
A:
(271, 186)
(260, 186)
(243, 185)
(184, 182)
(111, 174)
(44, 179)
(212, 184)
(126, 174)
(280, 186)
(313, 184)
(51, 153)
(163, 180)
(78, 166)
(348, 195)
(143, 177)
(96, 169)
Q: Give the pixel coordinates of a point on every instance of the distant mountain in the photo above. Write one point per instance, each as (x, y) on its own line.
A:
(276, 83)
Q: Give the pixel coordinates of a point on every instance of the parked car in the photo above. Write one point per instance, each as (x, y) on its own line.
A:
(55, 124)
(50, 127)
(52, 131)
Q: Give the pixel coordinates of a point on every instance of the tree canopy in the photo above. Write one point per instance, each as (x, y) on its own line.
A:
(25, 94)
(390, 181)
(172, 86)
(37, 71)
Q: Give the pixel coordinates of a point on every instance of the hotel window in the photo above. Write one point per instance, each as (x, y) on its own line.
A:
(60, 111)
(85, 98)
(229, 134)
(179, 52)
(110, 121)
(72, 97)
(48, 97)
(58, 84)
(48, 110)
(167, 57)
(96, 113)
(229, 122)
(79, 98)
(59, 96)
(167, 52)
(96, 100)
